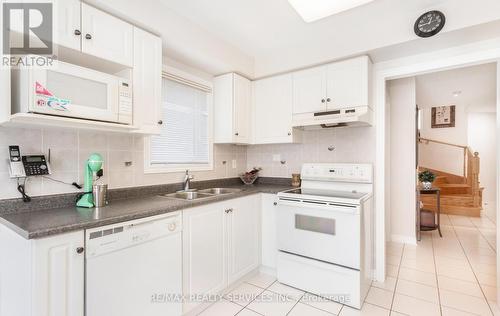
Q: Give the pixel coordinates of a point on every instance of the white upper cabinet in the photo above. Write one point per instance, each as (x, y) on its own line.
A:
(232, 106)
(330, 87)
(273, 102)
(68, 26)
(309, 90)
(106, 36)
(147, 82)
(347, 84)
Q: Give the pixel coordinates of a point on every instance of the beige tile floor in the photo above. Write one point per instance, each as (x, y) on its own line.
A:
(450, 276)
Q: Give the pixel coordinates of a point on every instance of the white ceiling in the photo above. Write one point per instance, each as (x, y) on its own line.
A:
(276, 36)
(477, 85)
(259, 38)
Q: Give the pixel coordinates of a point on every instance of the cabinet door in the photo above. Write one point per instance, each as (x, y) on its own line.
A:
(309, 90)
(223, 109)
(348, 83)
(269, 244)
(58, 275)
(68, 25)
(106, 36)
(243, 236)
(147, 82)
(204, 252)
(242, 109)
(273, 110)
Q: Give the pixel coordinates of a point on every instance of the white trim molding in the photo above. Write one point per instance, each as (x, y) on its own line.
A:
(454, 57)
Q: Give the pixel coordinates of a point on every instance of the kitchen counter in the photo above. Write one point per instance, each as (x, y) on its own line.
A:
(49, 222)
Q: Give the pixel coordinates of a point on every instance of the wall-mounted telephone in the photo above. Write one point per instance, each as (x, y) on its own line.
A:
(25, 166)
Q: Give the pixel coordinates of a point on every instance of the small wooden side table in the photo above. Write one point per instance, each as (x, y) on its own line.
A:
(428, 220)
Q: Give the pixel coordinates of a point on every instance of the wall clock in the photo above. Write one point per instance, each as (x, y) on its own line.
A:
(429, 24)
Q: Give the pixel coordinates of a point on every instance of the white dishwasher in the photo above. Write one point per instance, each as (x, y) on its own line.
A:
(135, 268)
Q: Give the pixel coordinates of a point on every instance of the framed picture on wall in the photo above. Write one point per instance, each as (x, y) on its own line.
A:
(443, 116)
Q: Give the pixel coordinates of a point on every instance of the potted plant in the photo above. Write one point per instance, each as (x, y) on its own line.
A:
(426, 178)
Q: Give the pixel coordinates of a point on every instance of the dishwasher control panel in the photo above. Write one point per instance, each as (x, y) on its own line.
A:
(114, 237)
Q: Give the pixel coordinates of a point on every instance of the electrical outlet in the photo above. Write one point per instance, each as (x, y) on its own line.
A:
(276, 157)
(233, 163)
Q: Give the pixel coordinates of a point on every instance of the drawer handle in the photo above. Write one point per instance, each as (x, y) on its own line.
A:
(323, 101)
(88, 36)
(80, 250)
(229, 210)
(275, 203)
(160, 122)
(78, 32)
(328, 100)
(237, 134)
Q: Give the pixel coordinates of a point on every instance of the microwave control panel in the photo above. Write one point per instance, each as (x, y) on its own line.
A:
(125, 102)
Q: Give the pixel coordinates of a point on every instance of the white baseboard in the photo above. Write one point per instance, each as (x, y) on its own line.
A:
(404, 239)
(268, 270)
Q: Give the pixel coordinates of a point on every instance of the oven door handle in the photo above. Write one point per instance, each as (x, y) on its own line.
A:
(346, 209)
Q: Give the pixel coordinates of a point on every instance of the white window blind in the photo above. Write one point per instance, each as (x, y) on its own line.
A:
(184, 134)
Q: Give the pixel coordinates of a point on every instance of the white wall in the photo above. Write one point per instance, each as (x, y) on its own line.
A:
(402, 155)
(444, 158)
(352, 145)
(482, 138)
(70, 149)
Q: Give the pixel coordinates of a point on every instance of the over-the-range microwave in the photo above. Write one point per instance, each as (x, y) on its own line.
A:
(72, 91)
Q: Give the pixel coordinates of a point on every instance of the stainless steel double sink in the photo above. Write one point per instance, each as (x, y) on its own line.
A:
(201, 194)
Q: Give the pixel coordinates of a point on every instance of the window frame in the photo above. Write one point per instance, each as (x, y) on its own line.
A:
(150, 168)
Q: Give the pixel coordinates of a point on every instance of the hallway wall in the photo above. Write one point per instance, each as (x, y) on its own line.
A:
(402, 155)
(482, 138)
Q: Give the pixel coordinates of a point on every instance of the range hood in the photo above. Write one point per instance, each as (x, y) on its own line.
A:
(345, 117)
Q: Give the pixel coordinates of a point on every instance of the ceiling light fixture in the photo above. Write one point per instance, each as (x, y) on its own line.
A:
(313, 10)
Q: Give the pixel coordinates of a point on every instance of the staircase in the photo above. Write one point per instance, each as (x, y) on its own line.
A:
(460, 195)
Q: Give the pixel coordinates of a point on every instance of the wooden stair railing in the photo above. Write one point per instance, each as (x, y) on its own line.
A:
(470, 169)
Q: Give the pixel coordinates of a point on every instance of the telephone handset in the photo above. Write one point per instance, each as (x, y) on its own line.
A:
(25, 166)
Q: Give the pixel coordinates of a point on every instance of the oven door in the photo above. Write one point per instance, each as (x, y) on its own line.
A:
(74, 91)
(320, 231)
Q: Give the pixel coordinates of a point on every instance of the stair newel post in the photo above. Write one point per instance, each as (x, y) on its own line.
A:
(465, 164)
(476, 191)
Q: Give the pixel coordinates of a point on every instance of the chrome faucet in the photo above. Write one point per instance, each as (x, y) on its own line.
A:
(187, 180)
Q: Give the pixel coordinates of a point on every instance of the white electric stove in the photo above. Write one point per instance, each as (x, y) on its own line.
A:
(325, 232)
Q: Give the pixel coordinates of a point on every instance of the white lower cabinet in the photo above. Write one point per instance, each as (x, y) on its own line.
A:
(42, 277)
(243, 232)
(220, 245)
(204, 252)
(269, 250)
(58, 275)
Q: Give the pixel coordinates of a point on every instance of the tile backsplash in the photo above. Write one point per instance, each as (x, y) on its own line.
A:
(340, 145)
(70, 149)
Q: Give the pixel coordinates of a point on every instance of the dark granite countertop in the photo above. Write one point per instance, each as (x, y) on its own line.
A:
(47, 222)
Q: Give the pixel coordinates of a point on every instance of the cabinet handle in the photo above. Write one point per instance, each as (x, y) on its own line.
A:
(80, 250)
(88, 36)
(229, 210)
(236, 134)
(78, 33)
(289, 133)
(322, 100)
(328, 100)
(160, 122)
(275, 203)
